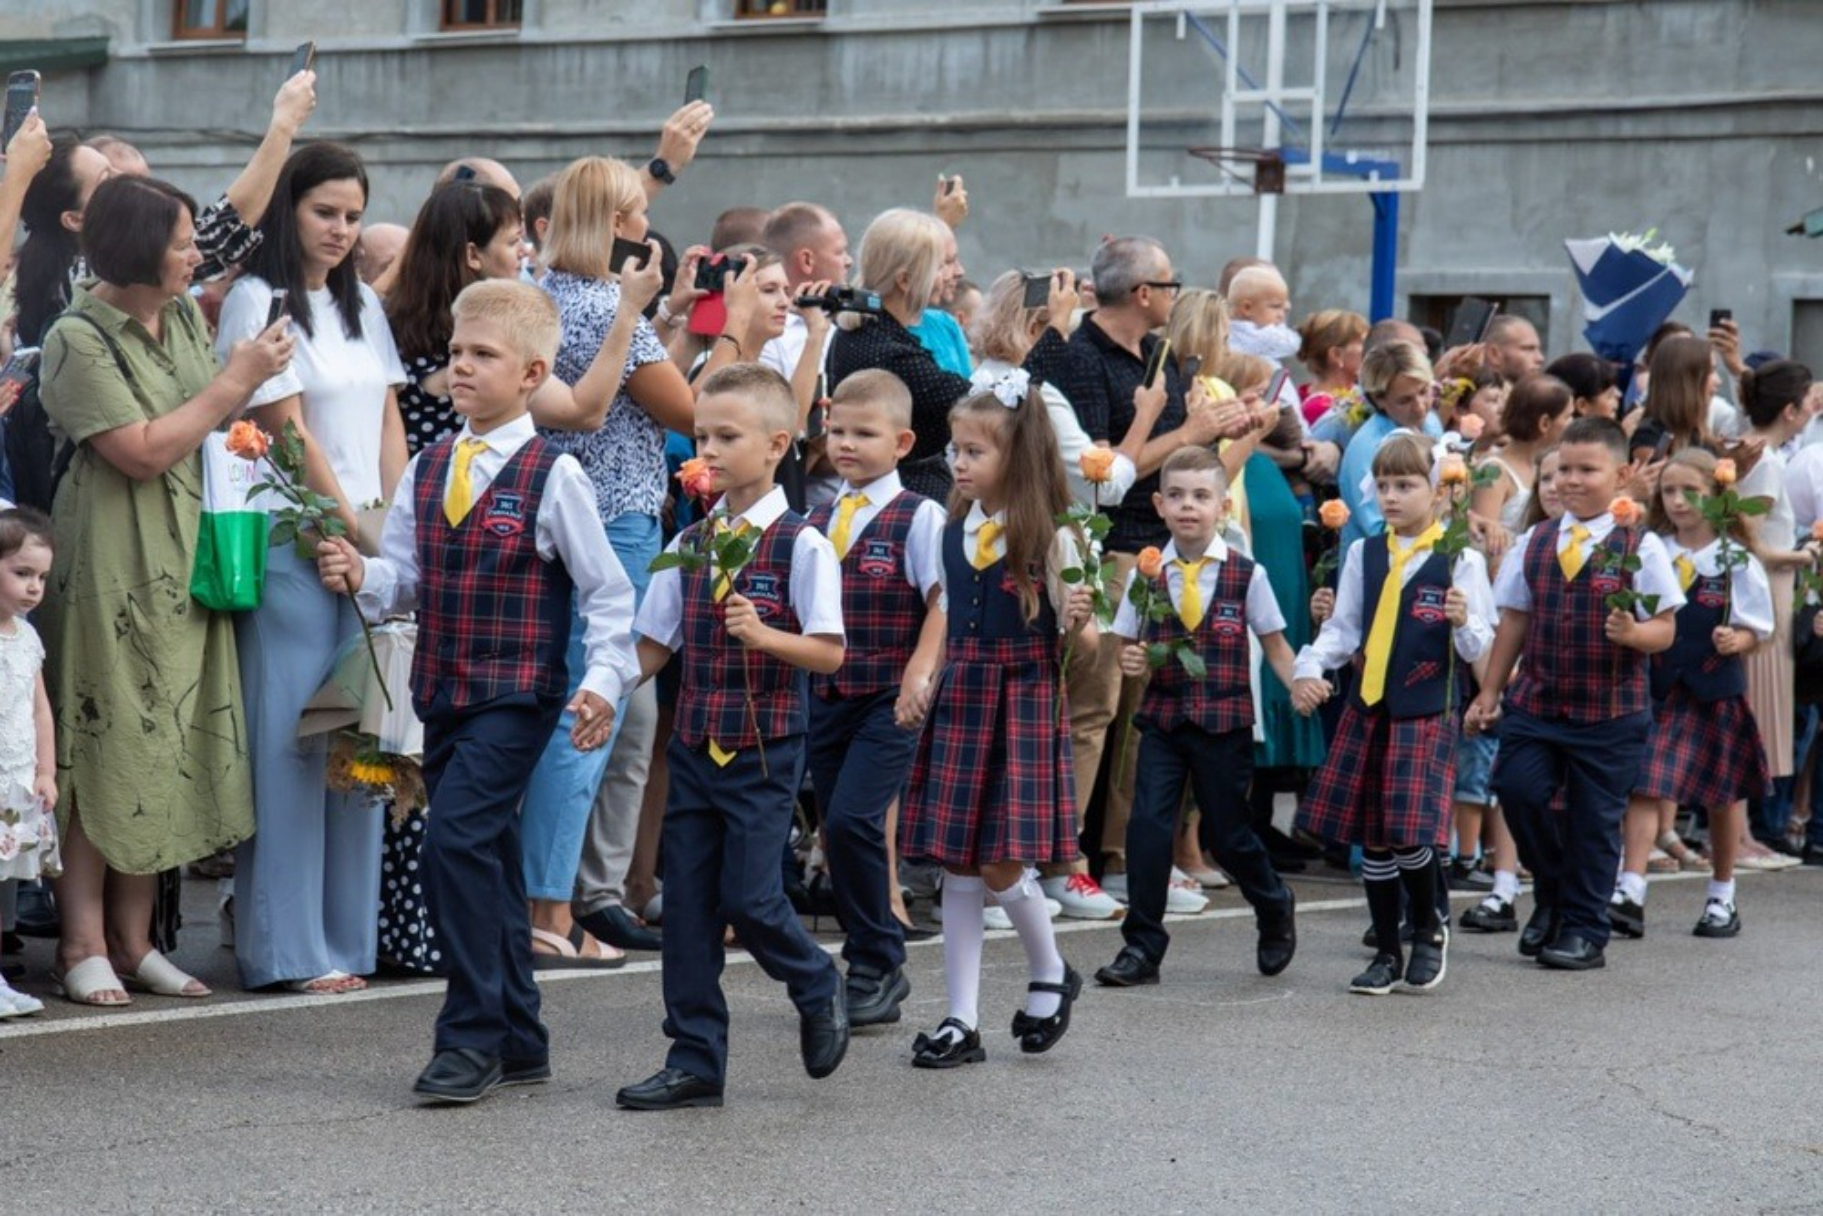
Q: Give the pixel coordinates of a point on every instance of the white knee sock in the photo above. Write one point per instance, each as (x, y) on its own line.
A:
(962, 931)
(1023, 903)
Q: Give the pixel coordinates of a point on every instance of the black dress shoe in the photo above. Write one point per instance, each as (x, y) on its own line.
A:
(1039, 1035)
(1719, 919)
(1626, 917)
(1572, 952)
(460, 1074)
(1130, 969)
(525, 1072)
(823, 1037)
(1491, 915)
(948, 1050)
(669, 1089)
(37, 911)
(1538, 931)
(874, 1000)
(619, 928)
(1278, 938)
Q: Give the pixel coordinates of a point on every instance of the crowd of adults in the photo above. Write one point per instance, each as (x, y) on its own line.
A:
(176, 726)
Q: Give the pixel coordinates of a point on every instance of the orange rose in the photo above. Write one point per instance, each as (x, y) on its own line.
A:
(1625, 512)
(1097, 465)
(247, 441)
(1816, 530)
(1725, 474)
(1453, 471)
(1151, 562)
(1470, 426)
(1334, 514)
(696, 479)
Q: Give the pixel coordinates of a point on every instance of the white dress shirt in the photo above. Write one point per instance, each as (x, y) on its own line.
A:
(1263, 615)
(569, 530)
(816, 580)
(1804, 489)
(1654, 577)
(1346, 629)
(923, 543)
(1749, 591)
(1064, 555)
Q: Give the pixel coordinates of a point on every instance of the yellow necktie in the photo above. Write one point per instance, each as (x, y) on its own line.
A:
(1686, 571)
(1386, 612)
(459, 497)
(984, 544)
(1571, 560)
(1190, 595)
(846, 510)
(723, 585)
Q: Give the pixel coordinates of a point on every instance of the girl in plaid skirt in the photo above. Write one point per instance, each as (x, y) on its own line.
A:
(1387, 782)
(991, 792)
(1705, 749)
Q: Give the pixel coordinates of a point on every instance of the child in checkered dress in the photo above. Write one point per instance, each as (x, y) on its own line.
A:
(1705, 748)
(1193, 607)
(992, 792)
(1388, 781)
(890, 544)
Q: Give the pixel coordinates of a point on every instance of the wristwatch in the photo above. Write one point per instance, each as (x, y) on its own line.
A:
(660, 168)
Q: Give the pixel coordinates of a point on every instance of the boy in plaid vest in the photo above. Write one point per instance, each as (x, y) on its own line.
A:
(890, 544)
(746, 636)
(1577, 714)
(488, 535)
(1197, 728)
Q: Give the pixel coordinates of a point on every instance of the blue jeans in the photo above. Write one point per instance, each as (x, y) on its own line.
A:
(562, 791)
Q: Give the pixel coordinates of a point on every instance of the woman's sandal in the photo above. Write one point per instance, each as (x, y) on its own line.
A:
(1037, 1035)
(86, 980)
(566, 953)
(335, 983)
(159, 976)
(1688, 859)
(948, 1050)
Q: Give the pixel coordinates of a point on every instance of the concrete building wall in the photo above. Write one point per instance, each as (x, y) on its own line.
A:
(1550, 119)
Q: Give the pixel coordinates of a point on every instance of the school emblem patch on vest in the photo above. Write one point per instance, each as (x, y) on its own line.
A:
(1710, 592)
(764, 592)
(1604, 583)
(1427, 605)
(505, 515)
(1228, 618)
(875, 560)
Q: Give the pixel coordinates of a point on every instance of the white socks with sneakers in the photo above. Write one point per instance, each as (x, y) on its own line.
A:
(963, 896)
(1023, 903)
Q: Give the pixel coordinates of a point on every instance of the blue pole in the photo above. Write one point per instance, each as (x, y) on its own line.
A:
(1386, 254)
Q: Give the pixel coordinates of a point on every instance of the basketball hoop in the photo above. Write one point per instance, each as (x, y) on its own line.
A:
(1268, 165)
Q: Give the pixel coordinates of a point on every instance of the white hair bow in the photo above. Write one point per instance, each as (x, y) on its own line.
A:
(1009, 389)
(1439, 449)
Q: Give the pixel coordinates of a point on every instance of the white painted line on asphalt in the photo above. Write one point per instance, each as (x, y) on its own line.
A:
(289, 1003)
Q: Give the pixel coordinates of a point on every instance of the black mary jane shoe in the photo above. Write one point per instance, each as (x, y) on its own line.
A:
(948, 1050)
(1038, 1035)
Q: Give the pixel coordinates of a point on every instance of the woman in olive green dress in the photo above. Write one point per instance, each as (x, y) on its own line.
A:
(151, 737)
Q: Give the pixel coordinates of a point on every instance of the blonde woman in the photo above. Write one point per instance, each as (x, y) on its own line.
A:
(902, 256)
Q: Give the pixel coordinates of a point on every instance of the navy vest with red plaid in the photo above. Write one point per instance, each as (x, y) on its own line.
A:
(1222, 700)
(882, 613)
(720, 673)
(1569, 668)
(493, 616)
(1692, 659)
(984, 604)
(1417, 671)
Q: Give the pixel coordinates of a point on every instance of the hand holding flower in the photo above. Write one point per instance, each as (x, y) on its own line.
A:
(1133, 660)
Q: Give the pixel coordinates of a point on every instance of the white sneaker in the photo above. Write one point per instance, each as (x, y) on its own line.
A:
(1115, 885)
(654, 911)
(993, 916)
(1184, 897)
(16, 1004)
(1081, 898)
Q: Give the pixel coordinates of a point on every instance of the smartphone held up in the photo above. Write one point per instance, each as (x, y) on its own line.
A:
(22, 89)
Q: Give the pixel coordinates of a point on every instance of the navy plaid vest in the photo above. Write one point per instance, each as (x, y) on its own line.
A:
(720, 673)
(984, 604)
(493, 616)
(882, 613)
(1569, 669)
(1417, 672)
(1692, 659)
(1223, 700)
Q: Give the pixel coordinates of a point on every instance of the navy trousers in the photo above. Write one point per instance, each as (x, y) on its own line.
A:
(723, 831)
(1574, 855)
(859, 761)
(1217, 769)
(477, 763)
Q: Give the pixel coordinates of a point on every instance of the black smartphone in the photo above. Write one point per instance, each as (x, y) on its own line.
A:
(1662, 448)
(302, 59)
(949, 184)
(1037, 290)
(280, 306)
(21, 97)
(1470, 324)
(696, 84)
(1718, 315)
(637, 252)
(1193, 367)
(1156, 363)
(1275, 387)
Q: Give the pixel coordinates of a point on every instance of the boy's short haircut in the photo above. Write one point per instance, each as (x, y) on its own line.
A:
(1593, 429)
(878, 387)
(1403, 455)
(1194, 459)
(525, 313)
(761, 387)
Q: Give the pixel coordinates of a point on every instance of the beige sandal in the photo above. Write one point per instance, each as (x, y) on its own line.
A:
(566, 954)
(1688, 859)
(159, 976)
(84, 982)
